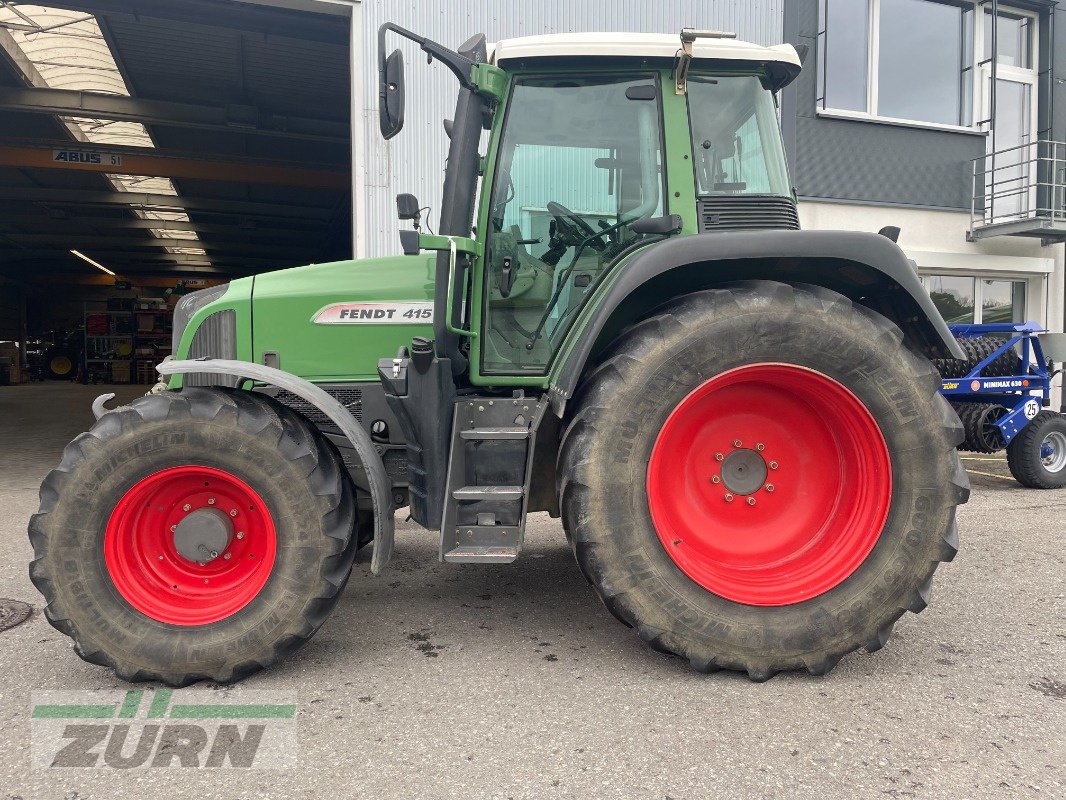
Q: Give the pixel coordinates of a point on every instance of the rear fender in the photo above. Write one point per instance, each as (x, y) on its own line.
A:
(867, 268)
(378, 480)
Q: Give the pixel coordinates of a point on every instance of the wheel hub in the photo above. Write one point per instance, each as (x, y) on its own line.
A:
(203, 535)
(744, 471)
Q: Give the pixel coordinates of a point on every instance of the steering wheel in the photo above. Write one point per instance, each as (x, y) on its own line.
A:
(572, 229)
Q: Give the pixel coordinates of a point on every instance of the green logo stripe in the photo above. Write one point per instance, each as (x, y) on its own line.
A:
(160, 703)
(73, 712)
(131, 704)
(233, 712)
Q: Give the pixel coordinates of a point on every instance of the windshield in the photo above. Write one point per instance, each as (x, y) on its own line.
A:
(579, 162)
(736, 137)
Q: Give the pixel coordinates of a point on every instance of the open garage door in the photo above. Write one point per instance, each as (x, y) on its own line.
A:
(148, 146)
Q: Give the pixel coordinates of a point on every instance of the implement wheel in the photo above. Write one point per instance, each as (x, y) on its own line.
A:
(800, 478)
(194, 535)
(1037, 455)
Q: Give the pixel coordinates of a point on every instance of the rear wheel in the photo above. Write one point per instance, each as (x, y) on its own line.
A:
(800, 472)
(192, 535)
(1037, 455)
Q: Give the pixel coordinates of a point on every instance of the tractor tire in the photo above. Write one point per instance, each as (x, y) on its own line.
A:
(60, 364)
(1037, 455)
(761, 478)
(149, 490)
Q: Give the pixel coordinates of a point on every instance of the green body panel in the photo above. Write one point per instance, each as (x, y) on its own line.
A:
(286, 302)
(275, 313)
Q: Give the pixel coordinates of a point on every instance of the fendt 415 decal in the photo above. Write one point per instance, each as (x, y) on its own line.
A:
(375, 313)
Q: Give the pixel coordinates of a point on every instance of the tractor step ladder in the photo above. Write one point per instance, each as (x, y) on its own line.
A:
(489, 471)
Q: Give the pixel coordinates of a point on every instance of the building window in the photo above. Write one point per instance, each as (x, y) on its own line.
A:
(1014, 40)
(966, 299)
(898, 59)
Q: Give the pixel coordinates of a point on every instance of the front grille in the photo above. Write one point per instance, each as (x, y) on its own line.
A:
(215, 338)
(740, 213)
(351, 399)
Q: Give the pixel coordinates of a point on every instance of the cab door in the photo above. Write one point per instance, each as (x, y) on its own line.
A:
(578, 161)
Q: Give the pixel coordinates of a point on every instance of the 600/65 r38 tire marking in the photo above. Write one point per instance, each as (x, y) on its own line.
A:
(821, 494)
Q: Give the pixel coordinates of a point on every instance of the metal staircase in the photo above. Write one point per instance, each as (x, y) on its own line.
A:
(488, 478)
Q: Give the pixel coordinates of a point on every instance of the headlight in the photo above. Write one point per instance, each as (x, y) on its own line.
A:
(189, 305)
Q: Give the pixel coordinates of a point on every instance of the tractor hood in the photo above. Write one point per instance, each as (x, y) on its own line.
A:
(332, 322)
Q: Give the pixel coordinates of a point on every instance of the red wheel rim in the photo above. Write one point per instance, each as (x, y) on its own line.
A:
(792, 528)
(143, 558)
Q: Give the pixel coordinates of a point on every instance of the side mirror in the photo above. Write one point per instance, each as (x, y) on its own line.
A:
(407, 206)
(390, 95)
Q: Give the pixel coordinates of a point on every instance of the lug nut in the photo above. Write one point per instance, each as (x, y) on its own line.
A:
(715, 479)
(228, 556)
(173, 528)
(736, 443)
(233, 512)
(729, 498)
(769, 487)
(751, 501)
(186, 507)
(210, 501)
(719, 457)
(240, 534)
(760, 447)
(773, 465)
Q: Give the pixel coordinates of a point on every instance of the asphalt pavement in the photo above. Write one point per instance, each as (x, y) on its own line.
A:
(469, 681)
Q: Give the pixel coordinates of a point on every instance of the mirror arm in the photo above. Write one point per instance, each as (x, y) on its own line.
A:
(458, 64)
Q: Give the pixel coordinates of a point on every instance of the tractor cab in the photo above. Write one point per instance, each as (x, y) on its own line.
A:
(576, 177)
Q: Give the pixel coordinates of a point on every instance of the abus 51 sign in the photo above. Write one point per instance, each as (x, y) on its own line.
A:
(375, 313)
(86, 157)
(163, 729)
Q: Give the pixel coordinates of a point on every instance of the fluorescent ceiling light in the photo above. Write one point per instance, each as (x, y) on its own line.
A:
(96, 264)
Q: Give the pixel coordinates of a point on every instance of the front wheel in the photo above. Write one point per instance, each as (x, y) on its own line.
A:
(1037, 456)
(194, 535)
(762, 478)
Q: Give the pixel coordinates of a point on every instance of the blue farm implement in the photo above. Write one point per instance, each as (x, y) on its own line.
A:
(1002, 392)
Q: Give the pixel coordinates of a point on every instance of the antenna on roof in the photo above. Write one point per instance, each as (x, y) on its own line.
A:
(688, 36)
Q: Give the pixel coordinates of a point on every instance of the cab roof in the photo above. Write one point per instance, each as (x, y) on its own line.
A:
(781, 60)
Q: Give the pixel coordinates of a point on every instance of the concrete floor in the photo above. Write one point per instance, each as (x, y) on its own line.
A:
(463, 681)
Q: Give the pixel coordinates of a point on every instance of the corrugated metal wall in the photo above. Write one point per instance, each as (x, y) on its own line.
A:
(414, 160)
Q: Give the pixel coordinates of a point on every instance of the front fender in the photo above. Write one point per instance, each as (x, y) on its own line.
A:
(380, 485)
(869, 269)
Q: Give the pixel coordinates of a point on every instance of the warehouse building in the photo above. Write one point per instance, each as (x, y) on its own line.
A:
(180, 144)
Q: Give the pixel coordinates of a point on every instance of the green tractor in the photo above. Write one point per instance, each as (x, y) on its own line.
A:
(618, 322)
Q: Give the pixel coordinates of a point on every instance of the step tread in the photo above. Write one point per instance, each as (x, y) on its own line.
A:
(500, 432)
(489, 493)
(485, 554)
